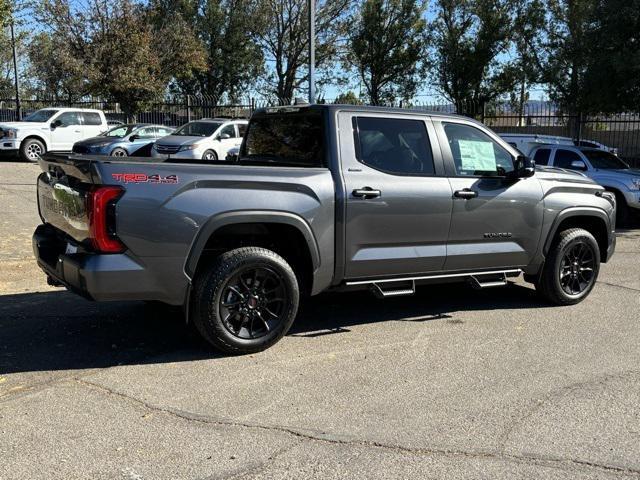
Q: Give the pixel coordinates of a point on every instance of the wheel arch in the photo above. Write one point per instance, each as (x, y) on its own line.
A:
(296, 242)
(594, 220)
(36, 137)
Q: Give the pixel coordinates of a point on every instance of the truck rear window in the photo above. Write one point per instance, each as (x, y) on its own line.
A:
(287, 139)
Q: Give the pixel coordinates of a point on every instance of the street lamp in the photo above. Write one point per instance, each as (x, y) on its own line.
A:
(312, 51)
(15, 72)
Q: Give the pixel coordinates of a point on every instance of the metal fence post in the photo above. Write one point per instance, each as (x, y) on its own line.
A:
(188, 98)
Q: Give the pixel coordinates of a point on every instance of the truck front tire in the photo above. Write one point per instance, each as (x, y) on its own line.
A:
(571, 268)
(246, 300)
(31, 149)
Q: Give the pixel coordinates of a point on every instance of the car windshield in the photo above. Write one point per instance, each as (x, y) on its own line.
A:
(40, 115)
(119, 132)
(602, 160)
(197, 129)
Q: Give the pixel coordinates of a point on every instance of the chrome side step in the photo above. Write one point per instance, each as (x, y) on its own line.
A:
(387, 292)
(502, 273)
(478, 284)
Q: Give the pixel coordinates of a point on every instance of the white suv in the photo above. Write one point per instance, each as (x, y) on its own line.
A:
(208, 139)
(50, 129)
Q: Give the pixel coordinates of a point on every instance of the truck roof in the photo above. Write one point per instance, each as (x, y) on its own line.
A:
(67, 109)
(358, 108)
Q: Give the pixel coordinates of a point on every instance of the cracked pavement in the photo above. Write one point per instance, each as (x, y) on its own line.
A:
(451, 383)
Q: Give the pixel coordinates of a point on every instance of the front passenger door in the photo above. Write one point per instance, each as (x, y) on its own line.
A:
(496, 221)
(67, 132)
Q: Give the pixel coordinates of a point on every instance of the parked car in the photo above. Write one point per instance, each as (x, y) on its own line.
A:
(50, 129)
(527, 142)
(123, 140)
(206, 139)
(605, 168)
(114, 123)
(323, 197)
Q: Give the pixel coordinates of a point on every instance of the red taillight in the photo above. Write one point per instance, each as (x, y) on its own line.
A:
(100, 205)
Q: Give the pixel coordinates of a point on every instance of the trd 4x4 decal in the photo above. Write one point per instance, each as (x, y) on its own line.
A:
(144, 178)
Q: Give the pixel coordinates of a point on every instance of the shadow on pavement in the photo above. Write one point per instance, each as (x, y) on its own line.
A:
(60, 331)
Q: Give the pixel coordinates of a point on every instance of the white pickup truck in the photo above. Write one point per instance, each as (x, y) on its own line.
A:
(50, 129)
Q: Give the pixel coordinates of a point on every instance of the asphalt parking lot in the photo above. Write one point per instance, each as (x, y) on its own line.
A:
(452, 383)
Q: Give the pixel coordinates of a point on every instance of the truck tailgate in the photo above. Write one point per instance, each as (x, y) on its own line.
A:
(62, 194)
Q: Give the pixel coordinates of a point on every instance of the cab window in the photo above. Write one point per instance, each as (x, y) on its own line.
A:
(228, 130)
(541, 156)
(393, 145)
(68, 118)
(147, 132)
(564, 158)
(475, 153)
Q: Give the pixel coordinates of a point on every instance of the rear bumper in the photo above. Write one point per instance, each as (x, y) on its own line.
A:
(94, 276)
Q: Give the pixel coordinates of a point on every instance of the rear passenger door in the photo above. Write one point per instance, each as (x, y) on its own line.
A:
(398, 201)
(92, 125)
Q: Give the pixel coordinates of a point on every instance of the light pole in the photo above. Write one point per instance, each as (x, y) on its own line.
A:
(312, 51)
(15, 72)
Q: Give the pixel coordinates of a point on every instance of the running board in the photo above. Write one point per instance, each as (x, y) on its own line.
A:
(378, 282)
(479, 284)
(387, 292)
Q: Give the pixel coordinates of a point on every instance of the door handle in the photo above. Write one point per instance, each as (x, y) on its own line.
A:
(366, 192)
(465, 193)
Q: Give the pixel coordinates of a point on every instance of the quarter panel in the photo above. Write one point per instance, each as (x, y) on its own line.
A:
(162, 220)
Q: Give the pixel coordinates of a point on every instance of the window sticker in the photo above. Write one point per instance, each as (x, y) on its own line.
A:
(477, 156)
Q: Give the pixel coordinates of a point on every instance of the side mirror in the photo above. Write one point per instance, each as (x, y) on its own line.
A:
(56, 124)
(224, 136)
(524, 167)
(578, 165)
(133, 138)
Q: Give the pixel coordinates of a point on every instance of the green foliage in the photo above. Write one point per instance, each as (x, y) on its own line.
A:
(111, 49)
(348, 98)
(55, 69)
(387, 47)
(231, 60)
(612, 78)
(567, 50)
(470, 38)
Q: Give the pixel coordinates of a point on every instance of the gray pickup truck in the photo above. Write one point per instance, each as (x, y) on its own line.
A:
(322, 197)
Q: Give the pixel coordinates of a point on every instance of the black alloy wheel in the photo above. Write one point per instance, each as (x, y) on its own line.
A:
(577, 268)
(253, 302)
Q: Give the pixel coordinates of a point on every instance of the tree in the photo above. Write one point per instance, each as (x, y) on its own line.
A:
(529, 21)
(222, 27)
(124, 56)
(53, 68)
(612, 78)
(388, 47)
(567, 51)
(471, 40)
(348, 98)
(283, 36)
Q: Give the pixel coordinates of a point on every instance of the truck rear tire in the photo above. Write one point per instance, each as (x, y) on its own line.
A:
(246, 300)
(571, 268)
(31, 149)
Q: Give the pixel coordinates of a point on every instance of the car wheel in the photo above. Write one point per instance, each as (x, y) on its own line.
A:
(246, 300)
(571, 268)
(119, 152)
(32, 149)
(210, 156)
